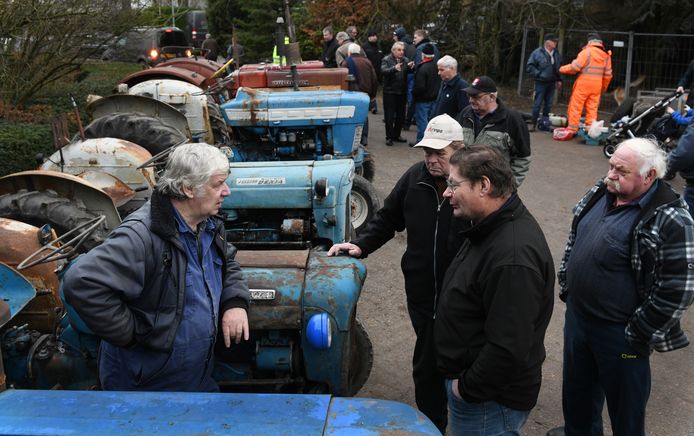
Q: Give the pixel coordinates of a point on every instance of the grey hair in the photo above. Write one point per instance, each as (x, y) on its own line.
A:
(350, 28)
(191, 166)
(328, 29)
(353, 49)
(650, 155)
(397, 44)
(448, 62)
(342, 36)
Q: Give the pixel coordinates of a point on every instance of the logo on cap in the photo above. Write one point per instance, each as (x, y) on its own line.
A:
(476, 81)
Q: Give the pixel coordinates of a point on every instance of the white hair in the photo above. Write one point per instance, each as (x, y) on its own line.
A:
(342, 36)
(448, 62)
(353, 49)
(191, 166)
(397, 44)
(650, 155)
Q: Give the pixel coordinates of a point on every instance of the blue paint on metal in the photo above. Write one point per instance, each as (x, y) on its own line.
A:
(15, 290)
(183, 413)
(365, 416)
(175, 413)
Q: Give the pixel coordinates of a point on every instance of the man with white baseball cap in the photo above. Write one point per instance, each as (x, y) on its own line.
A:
(416, 204)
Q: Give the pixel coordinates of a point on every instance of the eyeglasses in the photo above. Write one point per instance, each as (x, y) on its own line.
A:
(453, 185)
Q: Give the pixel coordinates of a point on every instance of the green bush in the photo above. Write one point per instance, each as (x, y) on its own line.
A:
(29, 132)
(19, 144)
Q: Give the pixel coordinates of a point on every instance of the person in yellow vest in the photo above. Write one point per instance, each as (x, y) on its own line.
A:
(276, 58)
(593, 65)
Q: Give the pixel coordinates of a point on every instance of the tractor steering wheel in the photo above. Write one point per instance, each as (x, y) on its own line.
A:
(58, 249)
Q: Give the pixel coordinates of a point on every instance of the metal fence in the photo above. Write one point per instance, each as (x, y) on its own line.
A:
(661, 59)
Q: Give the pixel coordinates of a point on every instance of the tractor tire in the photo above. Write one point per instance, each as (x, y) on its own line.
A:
(147, 132)
(47, 207)
(220, 130)
(367, 169)
(359, 359)
(364, 203)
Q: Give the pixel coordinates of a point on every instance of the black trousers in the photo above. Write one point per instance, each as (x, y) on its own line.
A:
(394, 112)
(429, 384)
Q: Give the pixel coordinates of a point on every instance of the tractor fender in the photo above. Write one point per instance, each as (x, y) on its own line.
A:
(116, 103)
(65, 185)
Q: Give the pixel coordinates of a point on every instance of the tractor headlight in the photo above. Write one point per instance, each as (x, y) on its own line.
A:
(318, 331)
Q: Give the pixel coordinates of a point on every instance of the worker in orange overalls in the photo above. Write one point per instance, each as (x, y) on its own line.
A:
(594, 68)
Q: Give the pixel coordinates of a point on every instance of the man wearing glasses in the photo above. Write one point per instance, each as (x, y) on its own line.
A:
(496, 301)
(488, 121)
(416, 204)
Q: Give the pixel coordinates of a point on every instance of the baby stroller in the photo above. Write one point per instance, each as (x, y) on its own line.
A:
(632, 126)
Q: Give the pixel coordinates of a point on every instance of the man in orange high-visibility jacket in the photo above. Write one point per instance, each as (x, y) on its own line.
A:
(594, 68)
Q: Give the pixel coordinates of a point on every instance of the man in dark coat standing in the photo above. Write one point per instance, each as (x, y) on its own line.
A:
(452, 98)
(426, 87)
(375, 55)
(330, 46)
(543, 66)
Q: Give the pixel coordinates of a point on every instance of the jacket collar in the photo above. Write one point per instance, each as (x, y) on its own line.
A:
(162, 214)
(507, 212)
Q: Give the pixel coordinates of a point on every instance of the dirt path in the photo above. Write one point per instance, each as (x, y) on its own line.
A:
(560, 173)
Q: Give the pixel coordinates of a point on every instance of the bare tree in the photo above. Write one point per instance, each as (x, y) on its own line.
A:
(42, 41)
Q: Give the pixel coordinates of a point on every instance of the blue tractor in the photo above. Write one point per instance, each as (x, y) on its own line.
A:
(305, 335)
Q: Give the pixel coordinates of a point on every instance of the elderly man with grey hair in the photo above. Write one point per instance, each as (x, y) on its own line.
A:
(452, 98)
(164, 281)
(343, 50)
(626, 278)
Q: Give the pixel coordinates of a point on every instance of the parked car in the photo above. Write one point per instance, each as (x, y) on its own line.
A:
(149, 45)
(195, 27)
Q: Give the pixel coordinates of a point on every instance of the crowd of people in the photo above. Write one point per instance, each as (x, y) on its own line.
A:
(479, 276)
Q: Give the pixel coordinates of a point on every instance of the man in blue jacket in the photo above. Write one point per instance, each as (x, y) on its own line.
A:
(159, 287)
(451, 98)
(543, 66)
(682, 159)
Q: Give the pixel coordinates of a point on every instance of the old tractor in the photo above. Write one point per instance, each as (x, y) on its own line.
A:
(259, 111)
(282, 215)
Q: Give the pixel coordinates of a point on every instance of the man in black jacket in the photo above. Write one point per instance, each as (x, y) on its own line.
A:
(451, 98)
(496, 300)
(164, 282)
(330, 46)
(375, 55)
(426, 87)
(416, 204)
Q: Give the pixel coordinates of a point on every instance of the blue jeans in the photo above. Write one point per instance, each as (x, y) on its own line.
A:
(422, 111)
(482, 419)
(544, 92)
(600, 364)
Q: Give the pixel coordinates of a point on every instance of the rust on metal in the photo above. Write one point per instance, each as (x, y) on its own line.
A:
(19, 241)
(114, 187)
(273, 258)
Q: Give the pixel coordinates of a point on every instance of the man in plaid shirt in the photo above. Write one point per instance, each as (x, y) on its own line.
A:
(627, 276)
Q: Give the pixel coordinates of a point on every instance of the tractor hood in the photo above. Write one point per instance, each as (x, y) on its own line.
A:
(188, 413)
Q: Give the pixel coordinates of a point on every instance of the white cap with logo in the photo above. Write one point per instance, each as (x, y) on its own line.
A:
(441, 131)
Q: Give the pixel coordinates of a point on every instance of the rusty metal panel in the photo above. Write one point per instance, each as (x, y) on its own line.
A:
(19, 241)
(273, 258)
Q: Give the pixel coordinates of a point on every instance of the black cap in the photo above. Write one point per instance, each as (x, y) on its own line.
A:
(481, 84)
(594, 35)
(371, 33)
(551, 37)
(428, 49)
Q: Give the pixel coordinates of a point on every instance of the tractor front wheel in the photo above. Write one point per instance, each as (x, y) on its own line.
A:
(364, 203)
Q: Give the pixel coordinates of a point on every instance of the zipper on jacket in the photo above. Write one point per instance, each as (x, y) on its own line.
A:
(436, 234)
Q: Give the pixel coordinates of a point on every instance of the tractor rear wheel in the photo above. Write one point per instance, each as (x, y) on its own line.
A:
(147, 132)
(364, 203)
(47, 207)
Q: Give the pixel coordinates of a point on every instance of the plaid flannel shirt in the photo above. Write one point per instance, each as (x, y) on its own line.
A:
(662, 258)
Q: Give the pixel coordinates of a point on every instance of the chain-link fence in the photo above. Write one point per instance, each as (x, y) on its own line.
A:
(640, 61)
